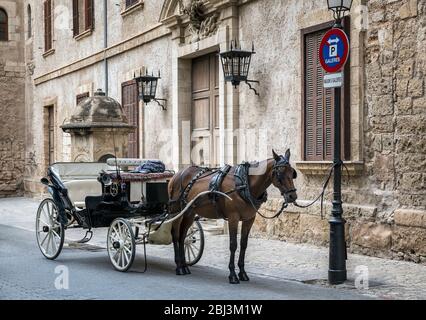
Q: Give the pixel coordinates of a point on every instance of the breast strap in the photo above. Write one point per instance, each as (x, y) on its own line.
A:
(242, 186)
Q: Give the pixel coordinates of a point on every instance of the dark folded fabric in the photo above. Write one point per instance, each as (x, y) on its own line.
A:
(151, 167)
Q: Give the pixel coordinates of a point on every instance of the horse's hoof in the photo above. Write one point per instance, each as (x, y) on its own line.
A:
(233, 280)
(180, 272)
(243, 276)
(186, 270)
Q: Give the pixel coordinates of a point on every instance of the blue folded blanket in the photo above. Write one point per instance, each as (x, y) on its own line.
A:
(151, 167)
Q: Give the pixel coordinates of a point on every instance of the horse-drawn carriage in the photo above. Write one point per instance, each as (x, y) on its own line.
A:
(134, 206)
(159, 208)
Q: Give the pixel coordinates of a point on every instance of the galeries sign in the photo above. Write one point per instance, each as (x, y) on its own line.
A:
(334, 50)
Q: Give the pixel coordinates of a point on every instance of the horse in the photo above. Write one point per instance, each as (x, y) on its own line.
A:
(190, 182)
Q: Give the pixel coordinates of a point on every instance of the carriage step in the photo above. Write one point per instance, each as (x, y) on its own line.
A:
(86, 238)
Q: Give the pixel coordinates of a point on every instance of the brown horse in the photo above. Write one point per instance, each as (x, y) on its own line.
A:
(189, 182)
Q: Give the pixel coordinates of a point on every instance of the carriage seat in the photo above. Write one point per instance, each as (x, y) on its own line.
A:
(78, 190)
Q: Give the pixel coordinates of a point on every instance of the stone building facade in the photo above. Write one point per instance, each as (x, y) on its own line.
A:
(209, 122)
(12, 99)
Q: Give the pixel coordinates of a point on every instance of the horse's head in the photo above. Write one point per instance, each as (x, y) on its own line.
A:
(283, 175)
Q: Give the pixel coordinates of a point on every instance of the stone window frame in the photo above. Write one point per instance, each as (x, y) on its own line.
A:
(355, 164)
(89, 18)
(129, 9)
(6, 33)
(345, 108)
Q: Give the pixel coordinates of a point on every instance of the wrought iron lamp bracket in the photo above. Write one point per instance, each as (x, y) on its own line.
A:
(251, 88)
(160, 104)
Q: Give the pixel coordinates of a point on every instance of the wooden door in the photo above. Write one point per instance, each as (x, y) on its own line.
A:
(205, 110)
(130, 105)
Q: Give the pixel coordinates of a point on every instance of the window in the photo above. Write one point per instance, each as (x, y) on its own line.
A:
(29, 22)
(81, 97)
(4, 36)
(48, 25)
(130, 3)
(130, 103)
(49, 127)
(318, 103)
(83, 16)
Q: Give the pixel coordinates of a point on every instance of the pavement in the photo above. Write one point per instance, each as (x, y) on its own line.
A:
(278, 270)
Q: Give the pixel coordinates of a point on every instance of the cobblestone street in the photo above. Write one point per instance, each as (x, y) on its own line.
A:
(302, 269)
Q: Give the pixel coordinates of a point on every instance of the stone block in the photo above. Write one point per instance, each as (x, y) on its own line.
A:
(411, 144)
(371, 235)
(411, 181)
(313, 229)
(409, 239)
(415, 88)
(404, 106)
(408, 10)
(411, 125)
(381, 105)
(410, 218)
(419, 105)
(401, 87)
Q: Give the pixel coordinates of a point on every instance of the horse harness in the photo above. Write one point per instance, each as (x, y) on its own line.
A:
(242, 186)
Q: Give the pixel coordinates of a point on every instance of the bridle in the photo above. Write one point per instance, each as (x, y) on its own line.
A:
(283, 162)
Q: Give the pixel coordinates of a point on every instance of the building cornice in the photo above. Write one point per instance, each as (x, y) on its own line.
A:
(155, 32)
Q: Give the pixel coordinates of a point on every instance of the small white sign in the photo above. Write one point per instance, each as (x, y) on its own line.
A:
(333, 80)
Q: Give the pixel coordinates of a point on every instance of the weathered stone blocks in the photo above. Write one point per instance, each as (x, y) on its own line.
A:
(372, 235)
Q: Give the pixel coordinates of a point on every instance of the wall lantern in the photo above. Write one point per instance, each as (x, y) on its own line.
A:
(339, 7)
(147, 88)
(236, 65)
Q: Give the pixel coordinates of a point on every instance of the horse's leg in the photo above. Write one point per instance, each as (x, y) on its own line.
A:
(245, 231)
(184, 227)
(233, 230)
(175, 237)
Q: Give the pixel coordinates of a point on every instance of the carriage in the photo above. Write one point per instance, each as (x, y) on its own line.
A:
(133, 206)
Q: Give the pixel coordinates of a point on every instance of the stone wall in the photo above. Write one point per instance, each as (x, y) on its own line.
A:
(12, 104)
(385, 205)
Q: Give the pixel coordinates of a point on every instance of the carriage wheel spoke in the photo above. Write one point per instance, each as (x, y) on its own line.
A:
(42, 243)
(192, 250)
(47, 244)
(54, 245)
(56, 234)
(127, 257)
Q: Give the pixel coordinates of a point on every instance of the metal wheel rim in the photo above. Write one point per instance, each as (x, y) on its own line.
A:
(50, 242)
(121, 258)
(194, 244)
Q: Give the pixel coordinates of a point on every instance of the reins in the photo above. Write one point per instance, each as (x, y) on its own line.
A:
(324, 188)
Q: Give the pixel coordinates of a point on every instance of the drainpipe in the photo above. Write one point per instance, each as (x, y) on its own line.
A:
(106, 45)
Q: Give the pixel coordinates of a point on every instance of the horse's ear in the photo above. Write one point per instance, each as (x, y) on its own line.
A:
(276, 156)
(287, 154)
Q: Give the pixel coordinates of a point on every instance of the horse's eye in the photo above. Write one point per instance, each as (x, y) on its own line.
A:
(294, 174)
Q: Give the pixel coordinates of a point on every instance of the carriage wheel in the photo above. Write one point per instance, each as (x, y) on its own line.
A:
(194, 243)
(49, 232)
(121, 245)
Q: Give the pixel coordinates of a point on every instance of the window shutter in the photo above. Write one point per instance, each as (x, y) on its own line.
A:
(319, 104)
(89, 14)
(75, 15)
(47, 25)
(310, 97)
